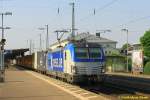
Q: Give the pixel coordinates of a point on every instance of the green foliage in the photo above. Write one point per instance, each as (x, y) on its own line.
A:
(146, 59)
(129, 64)
(115, 54)
(145, 41)
(124, 47)
(147, 68)
(109, 62)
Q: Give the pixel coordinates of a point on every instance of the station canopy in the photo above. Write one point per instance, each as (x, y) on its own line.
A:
(12, 54)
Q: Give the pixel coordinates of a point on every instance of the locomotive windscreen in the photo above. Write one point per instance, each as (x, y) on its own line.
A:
(95, 53)
(88, 53)
(81, 53)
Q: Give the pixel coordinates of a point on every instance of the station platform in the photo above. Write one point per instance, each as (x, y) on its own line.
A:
(20, 85)
(139, 82)
(129, 75)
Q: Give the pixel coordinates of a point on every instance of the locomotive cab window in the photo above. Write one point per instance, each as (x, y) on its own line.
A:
(95, 53)
(81, 53)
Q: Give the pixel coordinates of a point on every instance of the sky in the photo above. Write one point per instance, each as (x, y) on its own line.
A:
(29, 15)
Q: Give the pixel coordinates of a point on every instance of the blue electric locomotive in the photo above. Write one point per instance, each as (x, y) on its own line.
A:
(76, 62)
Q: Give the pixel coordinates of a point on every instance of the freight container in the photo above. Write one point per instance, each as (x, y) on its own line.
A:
(39, 60)
(25, 61)
(34, 59)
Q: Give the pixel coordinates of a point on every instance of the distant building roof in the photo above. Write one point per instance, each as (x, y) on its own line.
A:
(136, 45)
(20, 50)
(89, 38)
(93, 38)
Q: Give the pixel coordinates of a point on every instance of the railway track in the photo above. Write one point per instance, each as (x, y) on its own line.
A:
(107, 90)
(113, 91)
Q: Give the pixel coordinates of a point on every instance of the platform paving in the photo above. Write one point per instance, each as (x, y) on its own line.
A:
(129, 75)
(20, 85)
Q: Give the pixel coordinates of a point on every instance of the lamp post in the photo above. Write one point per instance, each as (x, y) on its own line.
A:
(47, 36)
(73, 21)
(2, 43)
(127, 31)
(41, 38)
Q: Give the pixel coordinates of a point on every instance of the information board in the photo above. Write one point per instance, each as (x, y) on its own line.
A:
(137, 61)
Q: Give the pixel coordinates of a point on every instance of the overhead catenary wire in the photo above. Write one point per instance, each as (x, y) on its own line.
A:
(107, 5)
(95, 12)
(58, 10)
(98, 10)
(131, 22)
(136, 20)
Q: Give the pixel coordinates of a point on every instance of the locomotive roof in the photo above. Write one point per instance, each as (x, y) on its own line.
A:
(85, 44)
(77, 44)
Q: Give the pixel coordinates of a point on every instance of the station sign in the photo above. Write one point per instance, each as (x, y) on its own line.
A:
(137, 61)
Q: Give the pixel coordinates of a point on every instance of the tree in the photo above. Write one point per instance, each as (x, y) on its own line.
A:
(145, 41)
(124, 47)
(147, 68)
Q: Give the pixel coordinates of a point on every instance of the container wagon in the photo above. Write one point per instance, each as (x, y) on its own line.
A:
(39, 61)
(25, 61)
